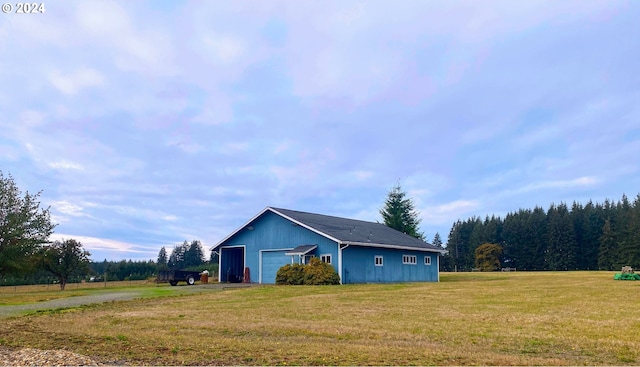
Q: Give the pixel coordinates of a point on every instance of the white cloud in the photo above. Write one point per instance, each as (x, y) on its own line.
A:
(147, 52)
(94, 243)
(362, 175)
(102, 17)
(218, 109)
(448, 212)
(225, 49)
(559, 184)
(64, 164)
(233, 148)
(64, 211)
(31, 119)
(134, 47)
(76, 81)
(282, 147)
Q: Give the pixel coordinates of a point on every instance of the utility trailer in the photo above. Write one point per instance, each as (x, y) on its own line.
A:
(175, 276)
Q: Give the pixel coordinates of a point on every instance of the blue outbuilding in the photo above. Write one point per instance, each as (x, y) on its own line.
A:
(360, 251)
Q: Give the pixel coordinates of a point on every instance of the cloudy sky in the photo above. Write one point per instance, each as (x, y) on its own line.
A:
(147, 123)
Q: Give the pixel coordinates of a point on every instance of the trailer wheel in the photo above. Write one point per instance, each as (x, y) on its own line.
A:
(173, 282)
(191, 280)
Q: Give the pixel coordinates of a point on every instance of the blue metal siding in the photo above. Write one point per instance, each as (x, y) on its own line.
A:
(359, 266)
(271, 231)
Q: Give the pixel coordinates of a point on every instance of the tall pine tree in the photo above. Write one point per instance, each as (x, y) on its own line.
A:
(194, 255)
(608, 247)
(162, 259)
(437, 241)
(561, 250)
(399, 213)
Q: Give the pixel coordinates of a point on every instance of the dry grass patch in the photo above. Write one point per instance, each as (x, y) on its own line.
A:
(581, 318)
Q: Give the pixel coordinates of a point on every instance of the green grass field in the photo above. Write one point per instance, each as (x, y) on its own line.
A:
(15, 295)
(546, 318)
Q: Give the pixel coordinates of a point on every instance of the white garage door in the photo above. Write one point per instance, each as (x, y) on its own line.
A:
(271, 262)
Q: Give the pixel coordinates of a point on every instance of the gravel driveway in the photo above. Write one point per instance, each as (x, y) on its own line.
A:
(120, 295)
(12, 310)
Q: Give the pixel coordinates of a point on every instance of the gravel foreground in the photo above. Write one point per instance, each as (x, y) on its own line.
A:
(37, 357)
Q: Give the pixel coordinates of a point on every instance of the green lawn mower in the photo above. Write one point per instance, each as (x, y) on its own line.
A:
(626, 274)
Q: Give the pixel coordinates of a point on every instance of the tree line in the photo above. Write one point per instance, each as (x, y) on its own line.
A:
(594, 236)
(187, 255)
(94, 272)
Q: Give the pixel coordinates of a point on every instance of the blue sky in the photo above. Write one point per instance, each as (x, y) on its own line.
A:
(147, 123)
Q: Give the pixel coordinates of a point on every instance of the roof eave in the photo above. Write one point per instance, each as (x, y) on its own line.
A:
(398, 247)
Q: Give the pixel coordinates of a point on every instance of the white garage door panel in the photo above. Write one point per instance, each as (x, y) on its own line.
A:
(271, 262)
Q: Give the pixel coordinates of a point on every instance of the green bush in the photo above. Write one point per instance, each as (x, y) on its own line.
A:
(291, 274)
(320, 273)
(314, 273)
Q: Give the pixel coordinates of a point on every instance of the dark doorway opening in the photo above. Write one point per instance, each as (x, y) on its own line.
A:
(232, 264)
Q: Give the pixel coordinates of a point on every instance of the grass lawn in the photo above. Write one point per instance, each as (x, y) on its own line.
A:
(546, 318)
(16, 295)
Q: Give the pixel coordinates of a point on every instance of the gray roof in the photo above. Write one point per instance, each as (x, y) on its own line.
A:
(301, 250)
(356, 232)
(347, 231)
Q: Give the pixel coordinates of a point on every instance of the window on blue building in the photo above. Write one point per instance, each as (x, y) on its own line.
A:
(326, 258)
(378, 260)
(427, 260)
(409, 259)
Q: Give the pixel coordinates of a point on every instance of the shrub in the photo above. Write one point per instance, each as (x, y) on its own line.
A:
(319, 273)
(291, 274)
(488, 257)
(314, 273)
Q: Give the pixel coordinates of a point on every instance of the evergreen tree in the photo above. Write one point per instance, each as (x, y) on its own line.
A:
(476, 238)
(627, 251)
(492, 230)
(516, 238)
(162, 259)
(460, 256)
(608, 247)
(578, 220)
(176, 259)
(592, 231)
(194, 255)
(399, 213)
(561, 250)
(594, 236)
(437, 241)
(538, 238)
(634, 235)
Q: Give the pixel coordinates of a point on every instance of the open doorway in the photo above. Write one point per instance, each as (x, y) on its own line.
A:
(231, 264)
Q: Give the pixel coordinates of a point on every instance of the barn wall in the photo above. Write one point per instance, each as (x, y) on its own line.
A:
(359, 267)
(272, 232)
